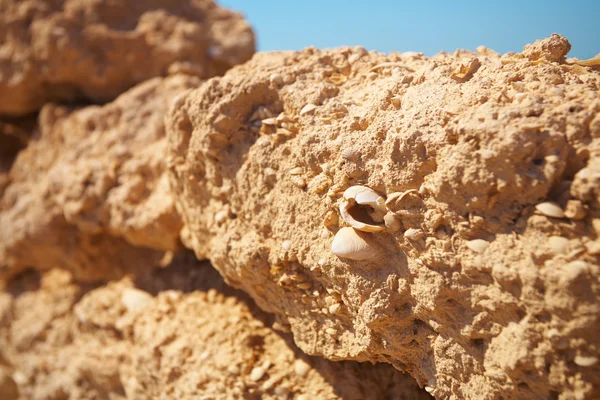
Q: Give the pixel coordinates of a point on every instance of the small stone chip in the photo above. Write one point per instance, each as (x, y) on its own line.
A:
(301, 368)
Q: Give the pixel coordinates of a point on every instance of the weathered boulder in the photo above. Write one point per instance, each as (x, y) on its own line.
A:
(176, 332)
(91, 50)
(482, 280)
(90, 193)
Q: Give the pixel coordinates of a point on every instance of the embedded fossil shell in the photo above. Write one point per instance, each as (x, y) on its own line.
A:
(550, 209)
(354, 245)
(478, 245)
(363, 209)
(394, 200)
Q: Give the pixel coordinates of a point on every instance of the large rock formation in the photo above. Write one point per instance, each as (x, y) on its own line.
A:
(90, 193)
(93, 50)
(196, 339)
(482, 280)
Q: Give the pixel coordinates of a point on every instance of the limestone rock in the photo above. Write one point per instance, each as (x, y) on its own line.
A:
(92, 50)
(196, 338)
(478, 139)
(90, 192)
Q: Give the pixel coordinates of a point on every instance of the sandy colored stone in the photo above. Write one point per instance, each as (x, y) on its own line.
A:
(481, 151)
(92, 185)
(93, 51)
(197, 338)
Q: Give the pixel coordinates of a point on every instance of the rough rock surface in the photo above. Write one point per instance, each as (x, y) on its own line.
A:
(484, 292)
(14, 135)
(179, 332)
(93, 50)
(92, 185)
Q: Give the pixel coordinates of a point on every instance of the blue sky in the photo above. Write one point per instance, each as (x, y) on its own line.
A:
(421, 25)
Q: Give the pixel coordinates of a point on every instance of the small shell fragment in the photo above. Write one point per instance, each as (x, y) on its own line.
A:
(301, 368)
(583, 361)
(391, 222)
(286, 245)
(307, 108)
(394, 200)
(221, 216)
(334, 308)
(478, 245)
(296, 171)
(135, 299)
(331, 331)
(257, 374)
(269, 121)
(414, 234)
(550, 209)
(354, 245)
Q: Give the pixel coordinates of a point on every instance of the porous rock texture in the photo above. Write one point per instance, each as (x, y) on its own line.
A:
(90, 192)
(73, 50)
(175, 333)
(486, 296)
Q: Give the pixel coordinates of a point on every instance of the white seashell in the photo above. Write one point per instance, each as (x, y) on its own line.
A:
(301, 367)
(391, 222)
(269, 121)
(331, 331)
(363, 209)
(414, 234)
(583, 361)
(134, 299)
(307, 108)
(296, 171)
(334, 308)
(478, 245)
(257, 374)
(350, 153)
(550, 209)
(354, 245)
(276, 79)
(394, 199)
